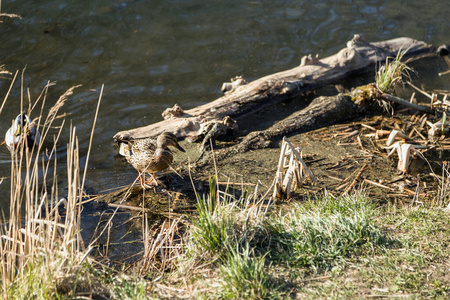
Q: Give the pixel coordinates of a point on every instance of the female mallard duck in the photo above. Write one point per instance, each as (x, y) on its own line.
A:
(149, 155)
(22, 128)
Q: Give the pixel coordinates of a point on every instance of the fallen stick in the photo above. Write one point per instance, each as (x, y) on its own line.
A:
(403, 102)
(378, 184)
(356, 178)
(128, 207)
(235, 183)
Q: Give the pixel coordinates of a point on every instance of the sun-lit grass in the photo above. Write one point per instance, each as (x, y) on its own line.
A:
(339, 247)
(128, 288)
(327, 234)
(390, 76)
(244, 275)
(245, 241)
(417, 266)
(213, 225)
(223, 221)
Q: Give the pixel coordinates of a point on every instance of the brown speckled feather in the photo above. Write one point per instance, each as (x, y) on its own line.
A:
(150, 155)
(146, 156)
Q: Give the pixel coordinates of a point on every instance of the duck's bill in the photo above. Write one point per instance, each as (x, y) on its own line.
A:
(179, 148)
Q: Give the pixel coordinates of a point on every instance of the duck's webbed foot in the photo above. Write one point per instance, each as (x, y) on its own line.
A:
(145, 185)
(153, 181)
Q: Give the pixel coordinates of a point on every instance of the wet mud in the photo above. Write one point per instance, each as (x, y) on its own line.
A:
(343, 158)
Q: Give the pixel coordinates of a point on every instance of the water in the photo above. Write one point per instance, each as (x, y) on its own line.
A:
(153, 54)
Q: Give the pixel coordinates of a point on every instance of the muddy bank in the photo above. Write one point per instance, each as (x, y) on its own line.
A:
(336, 155)
(343, 158)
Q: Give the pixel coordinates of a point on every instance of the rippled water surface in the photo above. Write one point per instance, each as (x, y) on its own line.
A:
(152, 54)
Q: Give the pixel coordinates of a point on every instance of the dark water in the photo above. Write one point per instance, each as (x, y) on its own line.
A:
(153, 54)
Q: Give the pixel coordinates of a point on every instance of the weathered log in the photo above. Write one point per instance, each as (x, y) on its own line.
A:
(322, 111)
(359, 56)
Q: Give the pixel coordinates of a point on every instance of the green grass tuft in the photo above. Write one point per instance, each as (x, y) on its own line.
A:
(244, 275)
(326, 235)
(211, 227)
(126, 289)
(390, 76)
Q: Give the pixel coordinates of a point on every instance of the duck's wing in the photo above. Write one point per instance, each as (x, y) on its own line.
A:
(34, 134)
(146, 145)
(160, 160)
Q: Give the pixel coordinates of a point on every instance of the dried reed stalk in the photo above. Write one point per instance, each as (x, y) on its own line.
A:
(35, 232)
(160, 248)
(284, 183)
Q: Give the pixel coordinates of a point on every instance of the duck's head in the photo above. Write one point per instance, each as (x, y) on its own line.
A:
(19, 124)
(22, 125)
(166, 139)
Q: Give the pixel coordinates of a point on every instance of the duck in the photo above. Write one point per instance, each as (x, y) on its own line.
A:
(150, 155)
(22, 128)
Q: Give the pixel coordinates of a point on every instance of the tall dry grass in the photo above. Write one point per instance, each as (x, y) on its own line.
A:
(40, 240)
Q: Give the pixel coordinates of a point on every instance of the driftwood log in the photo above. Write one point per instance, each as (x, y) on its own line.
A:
(242, 99)
(322, 111)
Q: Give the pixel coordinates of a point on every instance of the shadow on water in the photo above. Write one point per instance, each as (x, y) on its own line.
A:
(127, 212)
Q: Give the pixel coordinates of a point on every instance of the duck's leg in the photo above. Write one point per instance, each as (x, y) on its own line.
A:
(153, 181)
(144, 185)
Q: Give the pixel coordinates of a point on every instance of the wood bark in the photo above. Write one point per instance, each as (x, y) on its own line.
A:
(321, 112)
(359, 56)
